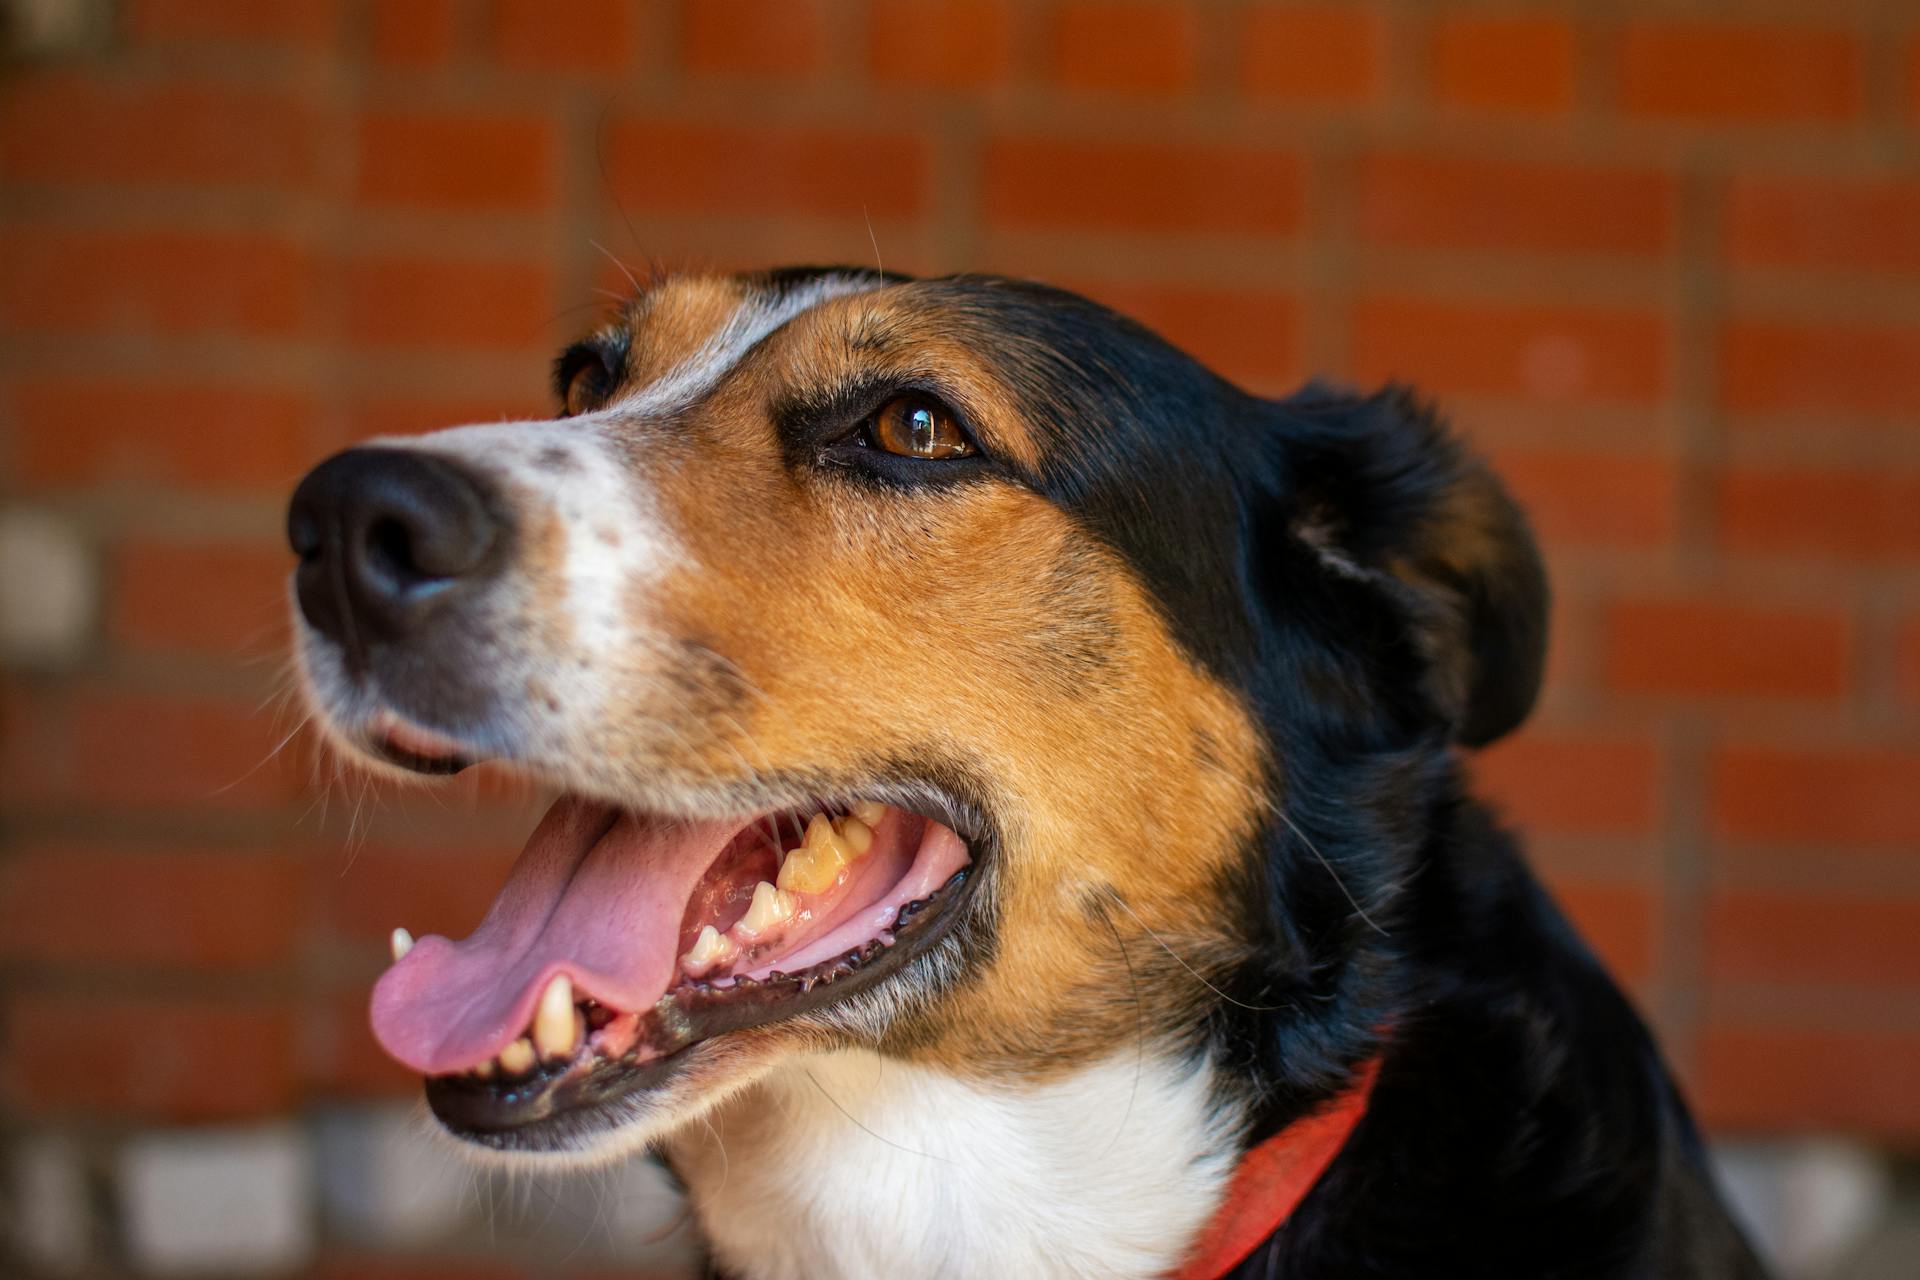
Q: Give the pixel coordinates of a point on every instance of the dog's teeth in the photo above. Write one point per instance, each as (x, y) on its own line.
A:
(518, 1058)
(553, 1026)
(484, 1070)
(707, 950)
(870, 812)
(857, 836)
(820, 833)
(770, 908)
(401, 942)
(813, 867)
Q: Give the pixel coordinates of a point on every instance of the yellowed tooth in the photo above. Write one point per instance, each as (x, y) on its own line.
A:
(813, 868)
(484, 1070)
(402, 942)
(870, 812)
(821, 835)
(518, 1058)
(553, 1019)
(769, 909)
(707, 950)
(857, 836)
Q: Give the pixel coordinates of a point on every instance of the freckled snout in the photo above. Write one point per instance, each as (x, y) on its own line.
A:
(388, 538)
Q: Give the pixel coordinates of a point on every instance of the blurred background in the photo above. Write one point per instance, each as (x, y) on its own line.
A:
(1659, 258)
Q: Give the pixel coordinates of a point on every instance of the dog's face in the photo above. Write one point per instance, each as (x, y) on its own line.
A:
(926, 665)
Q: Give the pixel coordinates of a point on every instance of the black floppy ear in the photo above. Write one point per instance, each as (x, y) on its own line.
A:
(1381, 490)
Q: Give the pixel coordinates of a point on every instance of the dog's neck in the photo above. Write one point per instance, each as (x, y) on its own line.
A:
(857, 1165)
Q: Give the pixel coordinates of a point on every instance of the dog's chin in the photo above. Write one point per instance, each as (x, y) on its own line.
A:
(639, 965)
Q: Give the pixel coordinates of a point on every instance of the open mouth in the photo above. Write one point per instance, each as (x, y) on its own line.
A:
(622, 940)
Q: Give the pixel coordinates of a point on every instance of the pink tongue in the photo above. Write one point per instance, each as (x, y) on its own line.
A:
(593, 897)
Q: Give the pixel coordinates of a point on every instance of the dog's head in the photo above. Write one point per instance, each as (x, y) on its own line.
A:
(950, 667)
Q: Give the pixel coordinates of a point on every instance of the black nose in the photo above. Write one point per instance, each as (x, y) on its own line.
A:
(387, 537)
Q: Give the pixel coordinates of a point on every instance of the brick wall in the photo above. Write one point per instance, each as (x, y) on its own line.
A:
(1661, 258)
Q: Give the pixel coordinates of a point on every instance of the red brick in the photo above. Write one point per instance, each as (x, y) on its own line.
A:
(1698, 647)
(596, 37)
(1504, 62)
(1865, 227)
(1135, 46)
(436, 160)
(419, 303)
(1035, 182)
(1709, 71)
(151, 282)
(67, 130)
(345, 1060)
(35, 746)
(360, 1266)
(1797, 938)
(175, 753)
(1821, 368)
(364, 893)
(699, 168)
(1617, 921)
(1250, 337)
(1856, 515)
(288, 24)
(200, 597)
(412, 33)
(1420, 200)
(1313, 54)
(82, 431)
(751, 37)
(1532, 352)
(1908, 661)
(131, 1058)
(1806, 1081)
(1563, 784)
(1595, 499)
(1860, 797)
(203, 909)
(939, 44)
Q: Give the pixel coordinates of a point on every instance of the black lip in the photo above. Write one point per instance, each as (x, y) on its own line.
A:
(561, 1103)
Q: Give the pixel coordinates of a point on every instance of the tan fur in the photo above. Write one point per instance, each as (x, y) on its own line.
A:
(977, 626)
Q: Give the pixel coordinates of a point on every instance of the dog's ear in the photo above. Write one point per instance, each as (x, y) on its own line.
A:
(1380, 490)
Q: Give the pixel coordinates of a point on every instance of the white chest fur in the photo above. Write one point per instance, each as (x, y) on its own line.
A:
(852, 1165)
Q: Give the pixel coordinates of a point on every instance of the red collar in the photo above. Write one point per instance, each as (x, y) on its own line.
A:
(1273, 1179)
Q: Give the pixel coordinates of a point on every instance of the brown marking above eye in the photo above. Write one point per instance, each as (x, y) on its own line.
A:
(916, 426)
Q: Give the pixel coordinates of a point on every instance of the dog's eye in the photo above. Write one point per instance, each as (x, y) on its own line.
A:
(585, 387)
(586, 374)
(916, 427)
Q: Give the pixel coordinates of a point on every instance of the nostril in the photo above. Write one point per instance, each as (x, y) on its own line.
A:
(390, 553)
(383, 535)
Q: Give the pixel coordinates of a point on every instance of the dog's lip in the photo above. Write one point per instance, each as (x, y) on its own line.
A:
(393, 739)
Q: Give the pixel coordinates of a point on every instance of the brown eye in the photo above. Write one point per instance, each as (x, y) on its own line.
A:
(916, 427)
(585, 388)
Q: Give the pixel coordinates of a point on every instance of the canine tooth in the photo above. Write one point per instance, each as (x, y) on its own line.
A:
(402, 942)
(706, 951)
(857, 836)
(870, 812)
(769, 908)
(485, 1069)
(553, 1019)
(518, 1057)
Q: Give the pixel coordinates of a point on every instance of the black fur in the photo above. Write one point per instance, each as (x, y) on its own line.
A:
(1377, 599)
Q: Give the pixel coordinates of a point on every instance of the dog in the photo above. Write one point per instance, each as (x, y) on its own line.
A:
(1014, 814)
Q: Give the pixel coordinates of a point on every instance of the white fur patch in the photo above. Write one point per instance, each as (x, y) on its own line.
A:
(750, 323)
(850, 1164)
